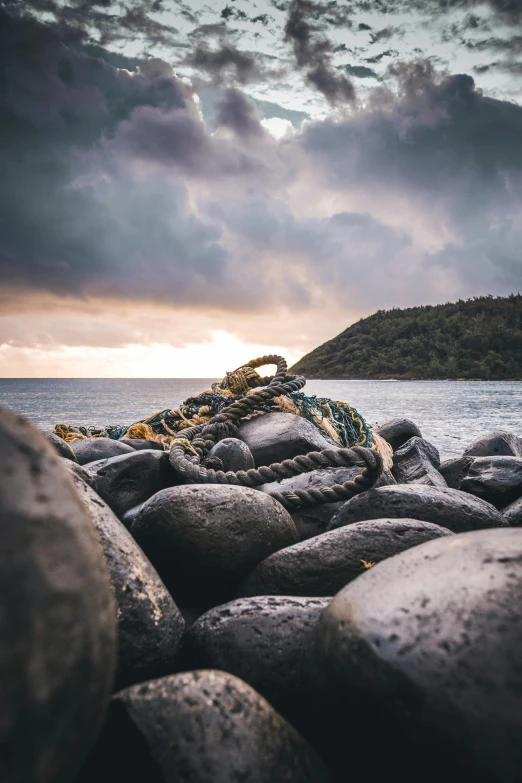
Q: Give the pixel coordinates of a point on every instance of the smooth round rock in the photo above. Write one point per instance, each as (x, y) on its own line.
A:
(312, 520)
(203, 539)
(60, 446)
(199, 727)
(513, 513)
(91, 449)
(150, 625)
(274, 437)
(397, 431)
(495, 444)
(130, 479)
(57, 614)
(426, 650)
(267, 641)
(417, 461)
(495, 479)
(448, 508)
(325, 564)
(234, 454)
(140, 443)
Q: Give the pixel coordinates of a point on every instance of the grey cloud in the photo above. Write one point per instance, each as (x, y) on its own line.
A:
(313, 50)
(226, 62)
(360, 72)
(236, 112)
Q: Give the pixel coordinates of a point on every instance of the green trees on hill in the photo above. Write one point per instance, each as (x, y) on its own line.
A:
(477, 338)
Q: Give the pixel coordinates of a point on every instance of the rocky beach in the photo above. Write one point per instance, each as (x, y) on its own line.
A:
(253, 601)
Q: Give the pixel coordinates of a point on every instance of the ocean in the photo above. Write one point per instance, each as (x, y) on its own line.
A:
(450, 413)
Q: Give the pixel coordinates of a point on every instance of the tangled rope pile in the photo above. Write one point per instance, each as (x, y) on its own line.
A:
(200, 422)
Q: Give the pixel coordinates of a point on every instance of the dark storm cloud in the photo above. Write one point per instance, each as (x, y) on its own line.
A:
(360, 72)
(236, 112)
(226, 62)
(313, 50)
(75, 216)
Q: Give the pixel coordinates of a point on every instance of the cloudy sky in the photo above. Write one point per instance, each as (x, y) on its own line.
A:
(186, 185)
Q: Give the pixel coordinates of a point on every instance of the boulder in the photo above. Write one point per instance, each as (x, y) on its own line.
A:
(150, 625)
(60, 446)
(495, 444)
(274, 437)
(425, 648)
(325, 564)
(92, 449)
(454, 470)
(204, 538)
(268, 642)
(140, 443)
(234, 454)
(513, 514)
(199, 727)
(417, 461)
(131, 479)
(312, 520)
(398, 431)
(446, 507)
(57, 614)
(495, 479)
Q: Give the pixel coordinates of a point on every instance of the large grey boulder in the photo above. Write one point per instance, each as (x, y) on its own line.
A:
(313, 520)
(91, 449)
(417, 461)
(495, 444)
(60, 446)
(448, 508)
(454, 470)
(139, 444)
(203, 539)
(325, 564)
(495, 479)
(425, 649)
(150, 625)
(233, 453)
(267, 641)
(513, 513)
(199, 727)
(57, 614)
(130, 479)
(274, 437)
(397, 431)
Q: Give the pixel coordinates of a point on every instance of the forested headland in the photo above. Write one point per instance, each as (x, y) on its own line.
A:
(480, 338)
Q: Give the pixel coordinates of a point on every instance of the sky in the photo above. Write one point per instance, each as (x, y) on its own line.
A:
(187, 185)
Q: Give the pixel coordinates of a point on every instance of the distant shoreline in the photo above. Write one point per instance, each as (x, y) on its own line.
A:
(428, 380)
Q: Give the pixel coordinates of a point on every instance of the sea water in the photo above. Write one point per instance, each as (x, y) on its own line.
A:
(450, 413)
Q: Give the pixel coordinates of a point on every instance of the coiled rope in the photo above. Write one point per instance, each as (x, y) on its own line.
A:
(191, 446)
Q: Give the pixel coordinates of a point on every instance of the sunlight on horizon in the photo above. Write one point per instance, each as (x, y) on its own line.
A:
(212, 359)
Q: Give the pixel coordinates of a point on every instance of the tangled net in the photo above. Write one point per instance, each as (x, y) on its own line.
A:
(192, 429)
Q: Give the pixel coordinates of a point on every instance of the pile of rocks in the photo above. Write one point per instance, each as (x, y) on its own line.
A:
(158, 632)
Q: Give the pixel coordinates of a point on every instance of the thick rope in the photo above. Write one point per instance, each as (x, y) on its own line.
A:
(191, 446)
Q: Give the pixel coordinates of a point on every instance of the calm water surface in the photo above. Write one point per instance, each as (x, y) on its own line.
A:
(450, 414)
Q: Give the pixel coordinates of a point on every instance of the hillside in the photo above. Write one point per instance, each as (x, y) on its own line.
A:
(480, 339)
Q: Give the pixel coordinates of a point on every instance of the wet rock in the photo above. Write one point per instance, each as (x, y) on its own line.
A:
(513, 514)
(199, 727)
(92, 449)
(426, 648)
(140, 443)
(57, 614)
(203, 539)
(150, 625)
(130, 516)
(312, 520)
(454, 470)
(234, 454)
(398, 431)
(274, 437)
(417, 461)
(268, 642)
(495, 479)
(59, 445)
(325, 564)
(131, 479)
(446, 507)
(495, 444)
